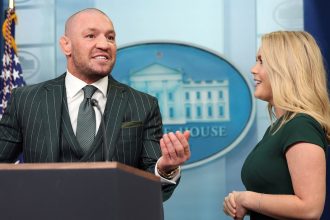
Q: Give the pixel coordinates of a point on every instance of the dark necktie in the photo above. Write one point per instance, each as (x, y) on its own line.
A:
(86, 123)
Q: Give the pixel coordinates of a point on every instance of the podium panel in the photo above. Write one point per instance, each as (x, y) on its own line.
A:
(84, 191)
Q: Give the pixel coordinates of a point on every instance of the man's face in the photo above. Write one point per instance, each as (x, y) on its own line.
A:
(91, 46)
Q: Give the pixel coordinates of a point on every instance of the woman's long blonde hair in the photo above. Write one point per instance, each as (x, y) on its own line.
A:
(295, 68)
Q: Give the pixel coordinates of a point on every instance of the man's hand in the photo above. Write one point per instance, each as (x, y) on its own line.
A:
(175, 151)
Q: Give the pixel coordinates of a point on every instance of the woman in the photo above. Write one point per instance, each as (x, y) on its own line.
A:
(285, 174)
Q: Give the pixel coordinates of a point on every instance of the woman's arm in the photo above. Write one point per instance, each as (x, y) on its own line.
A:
(307, 166)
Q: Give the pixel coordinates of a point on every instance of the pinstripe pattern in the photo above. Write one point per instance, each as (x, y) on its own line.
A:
(70, 148)
(34, 124)
(31, 123)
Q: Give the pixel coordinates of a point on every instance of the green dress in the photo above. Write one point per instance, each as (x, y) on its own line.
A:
(265, 170)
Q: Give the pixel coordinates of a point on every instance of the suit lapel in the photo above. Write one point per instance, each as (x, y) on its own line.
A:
(115, 108)
(117, 98)
(52, 105)
(112, 116)
(67, 130)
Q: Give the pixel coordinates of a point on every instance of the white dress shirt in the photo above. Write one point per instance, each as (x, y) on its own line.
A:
(75, 96)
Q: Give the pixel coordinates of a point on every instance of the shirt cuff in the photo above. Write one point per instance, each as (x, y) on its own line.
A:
(165, 181)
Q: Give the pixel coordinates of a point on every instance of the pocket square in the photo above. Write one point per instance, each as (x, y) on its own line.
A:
(130, 124)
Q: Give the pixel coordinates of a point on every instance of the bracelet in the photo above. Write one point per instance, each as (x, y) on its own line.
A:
(168, 175)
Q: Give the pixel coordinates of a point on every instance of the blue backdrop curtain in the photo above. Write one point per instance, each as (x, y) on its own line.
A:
(316, 17)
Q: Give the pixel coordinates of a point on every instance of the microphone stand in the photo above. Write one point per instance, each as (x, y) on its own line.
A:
(102, 125)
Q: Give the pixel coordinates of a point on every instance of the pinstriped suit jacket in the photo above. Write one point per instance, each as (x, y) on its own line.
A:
(31, 124)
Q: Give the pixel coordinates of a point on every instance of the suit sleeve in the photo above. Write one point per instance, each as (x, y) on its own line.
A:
(10, 133)
(151, 148)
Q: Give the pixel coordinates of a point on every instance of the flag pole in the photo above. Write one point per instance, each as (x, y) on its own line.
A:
(11, 4)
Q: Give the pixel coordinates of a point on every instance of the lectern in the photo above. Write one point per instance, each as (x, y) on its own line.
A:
(84, 191)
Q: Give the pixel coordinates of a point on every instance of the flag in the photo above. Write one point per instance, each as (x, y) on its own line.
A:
(11, 72)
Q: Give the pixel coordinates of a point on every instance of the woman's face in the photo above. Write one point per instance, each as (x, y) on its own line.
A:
(263, 89)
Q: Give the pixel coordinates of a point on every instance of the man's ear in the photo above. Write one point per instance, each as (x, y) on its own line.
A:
(65, 44)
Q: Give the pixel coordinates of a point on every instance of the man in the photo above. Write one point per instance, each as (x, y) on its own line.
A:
(54, 121)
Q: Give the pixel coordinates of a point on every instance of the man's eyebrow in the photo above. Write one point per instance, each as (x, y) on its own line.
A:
(95, 29)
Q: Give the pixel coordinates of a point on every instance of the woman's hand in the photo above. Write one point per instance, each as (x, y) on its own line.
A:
(232, 205)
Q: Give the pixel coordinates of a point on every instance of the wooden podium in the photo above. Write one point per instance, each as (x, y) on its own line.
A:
(69, 191)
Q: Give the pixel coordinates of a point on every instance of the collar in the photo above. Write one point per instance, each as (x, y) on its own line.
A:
(73, 85)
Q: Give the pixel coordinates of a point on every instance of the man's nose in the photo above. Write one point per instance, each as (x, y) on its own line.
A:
(103, 43)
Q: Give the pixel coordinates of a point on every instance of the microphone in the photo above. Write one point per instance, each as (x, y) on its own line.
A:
(102, 125)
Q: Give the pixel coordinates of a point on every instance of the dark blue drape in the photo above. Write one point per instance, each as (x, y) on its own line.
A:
(316, 22)
(316, 15)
